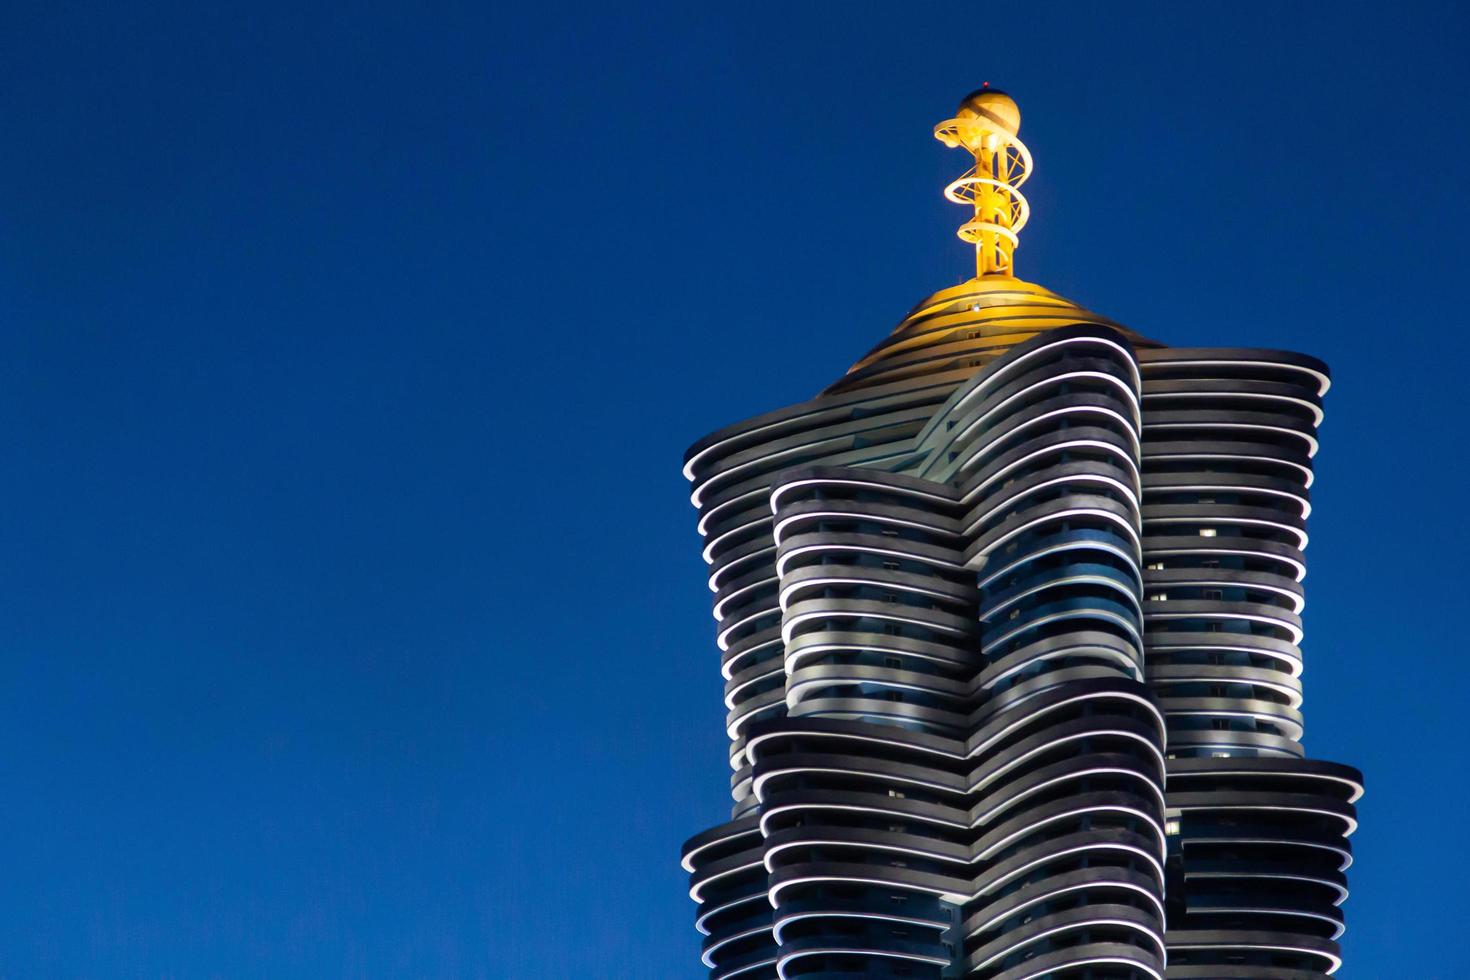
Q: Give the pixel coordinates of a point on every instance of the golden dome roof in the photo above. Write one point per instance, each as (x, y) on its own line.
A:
(967, 326)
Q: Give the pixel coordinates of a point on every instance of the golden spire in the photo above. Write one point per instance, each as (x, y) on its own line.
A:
(986, 125)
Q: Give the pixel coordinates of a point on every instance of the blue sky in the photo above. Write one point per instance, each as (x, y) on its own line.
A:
(354, 624)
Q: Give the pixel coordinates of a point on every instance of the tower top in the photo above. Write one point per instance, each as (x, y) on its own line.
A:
(986, 124)
(995, 105)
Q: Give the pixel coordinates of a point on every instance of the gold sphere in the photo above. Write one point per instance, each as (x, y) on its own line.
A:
(994, 105)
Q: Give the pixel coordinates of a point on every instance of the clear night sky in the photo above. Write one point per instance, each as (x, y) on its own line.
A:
(353, 623)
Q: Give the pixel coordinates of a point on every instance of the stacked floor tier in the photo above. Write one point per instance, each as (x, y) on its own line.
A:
(1260, 833)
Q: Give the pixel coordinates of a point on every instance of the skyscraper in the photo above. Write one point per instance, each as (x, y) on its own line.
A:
(1010, 622)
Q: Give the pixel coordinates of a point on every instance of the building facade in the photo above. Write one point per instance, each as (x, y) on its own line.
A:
(1010, 624)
